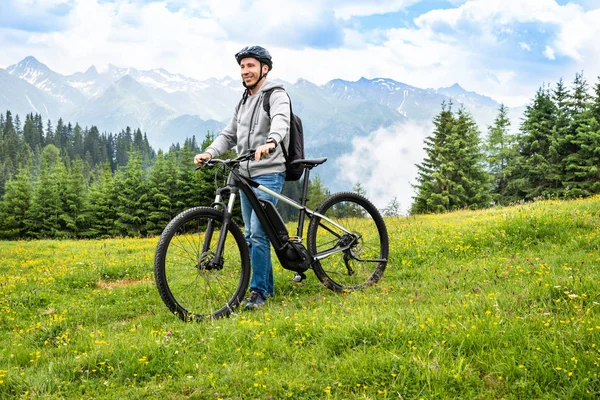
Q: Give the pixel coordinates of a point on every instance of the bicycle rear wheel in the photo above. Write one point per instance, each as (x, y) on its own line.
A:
(188, 283)
(362, 250)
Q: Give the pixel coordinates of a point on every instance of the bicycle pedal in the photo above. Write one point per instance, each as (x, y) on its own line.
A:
(299, 277)
(295, 239)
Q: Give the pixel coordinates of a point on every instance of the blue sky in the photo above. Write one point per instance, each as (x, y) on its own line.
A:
(501, 48)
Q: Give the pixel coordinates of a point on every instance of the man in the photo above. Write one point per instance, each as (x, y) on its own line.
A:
(251, 128)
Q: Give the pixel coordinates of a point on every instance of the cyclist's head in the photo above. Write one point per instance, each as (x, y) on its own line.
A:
(257, 52)
(252, 61)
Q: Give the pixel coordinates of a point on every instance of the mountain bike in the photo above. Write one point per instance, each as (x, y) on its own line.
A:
(202, 261)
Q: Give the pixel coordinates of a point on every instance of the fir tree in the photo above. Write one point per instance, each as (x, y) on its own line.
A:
(9, 150)
(162, 183)
(317, 192)
(533, 172)
(472, 179)
(43, 215)
(103, 205)
(15, 205)
(49, 139)
(432, 179)
(500, 149)
(575, 163)
(72, 193)
(452, 175)
(133, 200)
(31, 134)
(595, 107)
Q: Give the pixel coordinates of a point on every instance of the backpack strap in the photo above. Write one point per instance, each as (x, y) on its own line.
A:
(267, 100)
(267, 107)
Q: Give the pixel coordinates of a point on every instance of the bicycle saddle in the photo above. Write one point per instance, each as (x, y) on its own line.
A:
(310, 163)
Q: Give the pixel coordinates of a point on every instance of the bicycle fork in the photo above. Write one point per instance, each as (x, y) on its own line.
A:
(217, 261)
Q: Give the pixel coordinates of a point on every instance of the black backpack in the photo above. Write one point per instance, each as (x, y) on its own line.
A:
(295, 151)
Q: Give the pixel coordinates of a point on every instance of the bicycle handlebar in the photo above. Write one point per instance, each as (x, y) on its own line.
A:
(247, 156)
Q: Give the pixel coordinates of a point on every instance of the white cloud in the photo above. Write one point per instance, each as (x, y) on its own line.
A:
(549, 53)
(385, 161)
(347, 9)
(199, 39)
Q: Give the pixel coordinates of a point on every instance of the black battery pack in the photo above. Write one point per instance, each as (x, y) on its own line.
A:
(276, 221)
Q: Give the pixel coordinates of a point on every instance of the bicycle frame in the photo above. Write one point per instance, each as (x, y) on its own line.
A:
(238, 182)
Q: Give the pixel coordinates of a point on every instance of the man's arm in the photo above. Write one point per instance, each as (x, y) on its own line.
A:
(225, 141)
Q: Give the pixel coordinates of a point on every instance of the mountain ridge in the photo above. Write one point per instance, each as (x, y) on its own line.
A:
(170, 107)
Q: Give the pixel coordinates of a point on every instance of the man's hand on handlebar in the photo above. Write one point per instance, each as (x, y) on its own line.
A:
(261, 152)
(264, 151)
(200, 159)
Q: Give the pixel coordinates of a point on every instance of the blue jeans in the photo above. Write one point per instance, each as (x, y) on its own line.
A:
(258, 242)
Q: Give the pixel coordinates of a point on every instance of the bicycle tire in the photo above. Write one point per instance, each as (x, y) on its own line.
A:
(363, 263)
(186, 283)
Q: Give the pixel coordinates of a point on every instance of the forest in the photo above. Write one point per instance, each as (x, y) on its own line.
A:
(66, 181)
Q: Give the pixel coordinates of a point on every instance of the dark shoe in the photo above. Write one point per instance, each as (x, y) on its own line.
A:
(256, 301)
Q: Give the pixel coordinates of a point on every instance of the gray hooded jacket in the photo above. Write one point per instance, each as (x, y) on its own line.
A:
(250, 127)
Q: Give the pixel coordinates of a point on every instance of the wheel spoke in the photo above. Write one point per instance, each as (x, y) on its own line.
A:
(184, 285)
(363, 254)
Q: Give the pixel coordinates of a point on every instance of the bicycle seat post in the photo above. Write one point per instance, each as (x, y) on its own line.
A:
(303, 200)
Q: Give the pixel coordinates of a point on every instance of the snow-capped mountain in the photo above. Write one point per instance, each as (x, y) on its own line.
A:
(170, 107)
(48, 81)
(21, 97)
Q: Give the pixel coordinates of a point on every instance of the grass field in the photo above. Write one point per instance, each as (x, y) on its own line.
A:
(502, 303)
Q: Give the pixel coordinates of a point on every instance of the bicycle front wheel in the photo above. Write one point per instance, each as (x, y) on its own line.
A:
(352, 257)
(188, 280)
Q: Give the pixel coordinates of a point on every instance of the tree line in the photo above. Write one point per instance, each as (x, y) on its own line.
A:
(69, 181)
(65, 181)
(554, 154)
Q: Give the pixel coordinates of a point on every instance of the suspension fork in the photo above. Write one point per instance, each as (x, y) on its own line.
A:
(217, 261)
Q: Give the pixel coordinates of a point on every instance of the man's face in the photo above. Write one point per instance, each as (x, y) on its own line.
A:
(250, 70)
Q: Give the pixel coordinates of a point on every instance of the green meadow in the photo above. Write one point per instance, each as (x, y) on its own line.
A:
(501, 303)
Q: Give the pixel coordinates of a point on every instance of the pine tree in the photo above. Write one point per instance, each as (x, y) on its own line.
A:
(102, 205)
(18, 130)
(472, 179)
(49, 138)
(317, 192)
(78, 149)
(39, 125)
(595, 107)
(432, 179)
(91, 147)
(59, 133)
(31, 134)
(72, 193)
(15, 205)
(162, 183)
(576, 170)
(133, 200)
(9, 151)
(500, 150)
(124, 141)
(43, 215)
(533, 171)
(452, 175)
